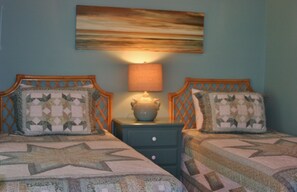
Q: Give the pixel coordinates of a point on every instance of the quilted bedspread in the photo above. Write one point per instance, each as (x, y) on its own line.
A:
(99, 163)
(240, 162)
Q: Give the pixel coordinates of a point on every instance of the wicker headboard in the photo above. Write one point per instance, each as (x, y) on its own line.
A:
(103, 105)
(181, 107)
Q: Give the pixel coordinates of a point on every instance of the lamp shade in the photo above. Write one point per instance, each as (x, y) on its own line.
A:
(145, 77)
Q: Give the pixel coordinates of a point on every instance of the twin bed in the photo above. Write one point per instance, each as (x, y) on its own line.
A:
(59, 152)
(250, 158)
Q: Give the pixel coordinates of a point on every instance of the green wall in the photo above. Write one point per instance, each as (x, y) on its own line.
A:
(281, 65)
(38, 37)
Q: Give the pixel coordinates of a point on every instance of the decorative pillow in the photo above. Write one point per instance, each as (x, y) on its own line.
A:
(198, 113)
(25, 86)
(232, 112)
(41, 111)
(22, 85)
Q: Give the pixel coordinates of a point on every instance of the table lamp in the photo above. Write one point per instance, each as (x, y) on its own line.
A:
(145, 77)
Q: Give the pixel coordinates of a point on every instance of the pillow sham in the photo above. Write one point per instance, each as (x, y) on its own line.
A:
(198, 113)
(232, 112)
(25, 86)
(22, 85)
(43, 111)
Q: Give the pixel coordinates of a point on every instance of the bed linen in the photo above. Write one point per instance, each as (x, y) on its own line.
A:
(99, 163)
(239, 162)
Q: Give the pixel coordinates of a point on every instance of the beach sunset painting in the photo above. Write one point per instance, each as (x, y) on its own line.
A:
(127, 29)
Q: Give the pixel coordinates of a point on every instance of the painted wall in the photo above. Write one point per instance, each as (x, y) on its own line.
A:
(38, 37)
(281, 65)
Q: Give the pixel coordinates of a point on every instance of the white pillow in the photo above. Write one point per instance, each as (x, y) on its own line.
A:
(198, 113)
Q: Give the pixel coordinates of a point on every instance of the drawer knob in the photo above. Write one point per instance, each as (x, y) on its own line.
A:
(154, 157)
(154, 138)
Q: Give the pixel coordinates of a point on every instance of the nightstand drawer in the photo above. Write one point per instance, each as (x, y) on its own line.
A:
(151, 138)
(160, 156)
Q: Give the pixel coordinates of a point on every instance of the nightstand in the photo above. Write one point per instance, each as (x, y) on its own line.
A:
(159, 141)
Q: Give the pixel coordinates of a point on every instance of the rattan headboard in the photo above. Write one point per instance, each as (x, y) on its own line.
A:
(181, 107)
(102, 108)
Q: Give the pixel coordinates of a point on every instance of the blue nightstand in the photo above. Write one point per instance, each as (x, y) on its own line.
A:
(159, 140)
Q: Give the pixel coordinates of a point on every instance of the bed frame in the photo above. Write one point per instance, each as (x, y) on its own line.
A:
(102, 109)
(181, 107)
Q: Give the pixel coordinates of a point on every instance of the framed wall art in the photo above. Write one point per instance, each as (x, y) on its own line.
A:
(113, 28)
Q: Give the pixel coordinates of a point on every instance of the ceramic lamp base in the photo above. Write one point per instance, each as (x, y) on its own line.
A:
(145, 108)
(145, 111)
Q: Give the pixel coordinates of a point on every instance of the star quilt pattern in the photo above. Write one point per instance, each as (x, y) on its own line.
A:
(55, 111)
(97, 163)
(237, 112)
(244, 162)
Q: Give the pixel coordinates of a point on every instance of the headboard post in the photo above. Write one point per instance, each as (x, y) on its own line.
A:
(102, 108)
(181, 107)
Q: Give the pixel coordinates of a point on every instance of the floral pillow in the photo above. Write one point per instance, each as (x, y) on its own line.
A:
(42, 111)
(232, 112)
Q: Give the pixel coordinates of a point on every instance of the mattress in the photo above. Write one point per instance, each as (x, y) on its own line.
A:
(99, 163)
(239, 162)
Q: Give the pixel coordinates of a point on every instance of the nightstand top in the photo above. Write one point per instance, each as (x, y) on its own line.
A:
(157, 121)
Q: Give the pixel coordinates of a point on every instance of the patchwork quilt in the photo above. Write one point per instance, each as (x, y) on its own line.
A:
(239, 162)
(97, 163)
